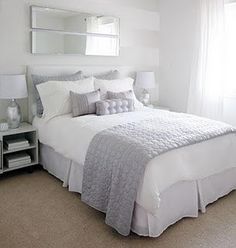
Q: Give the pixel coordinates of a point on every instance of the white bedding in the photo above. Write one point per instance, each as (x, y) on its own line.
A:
(71, 138)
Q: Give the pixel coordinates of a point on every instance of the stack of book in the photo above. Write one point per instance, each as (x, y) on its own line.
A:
(17, 159)
(13, 144)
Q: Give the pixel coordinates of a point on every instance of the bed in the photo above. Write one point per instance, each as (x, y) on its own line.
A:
(168, 191)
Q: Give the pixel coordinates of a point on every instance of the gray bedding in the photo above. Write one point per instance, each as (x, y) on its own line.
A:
(116, 160)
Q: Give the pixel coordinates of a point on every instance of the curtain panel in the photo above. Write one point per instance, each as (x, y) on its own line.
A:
(206, 93)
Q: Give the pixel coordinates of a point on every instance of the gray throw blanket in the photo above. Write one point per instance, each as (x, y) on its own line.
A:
(116, 159)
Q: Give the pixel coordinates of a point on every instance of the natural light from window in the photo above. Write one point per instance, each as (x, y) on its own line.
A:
(230, 23)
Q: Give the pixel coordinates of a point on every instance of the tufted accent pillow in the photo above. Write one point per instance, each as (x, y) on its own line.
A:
(83, 104)
(118, 85)
(114, 106)
(39, 79)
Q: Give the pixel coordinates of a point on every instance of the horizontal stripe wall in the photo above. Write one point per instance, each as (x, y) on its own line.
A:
(178, 32)
(139, 32)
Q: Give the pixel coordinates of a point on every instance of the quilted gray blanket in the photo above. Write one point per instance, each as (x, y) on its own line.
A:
(116, 160)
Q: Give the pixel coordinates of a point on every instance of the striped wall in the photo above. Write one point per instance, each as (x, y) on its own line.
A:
(139, 35)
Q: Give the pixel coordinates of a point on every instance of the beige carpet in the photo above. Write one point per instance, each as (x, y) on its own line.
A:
(36, 212)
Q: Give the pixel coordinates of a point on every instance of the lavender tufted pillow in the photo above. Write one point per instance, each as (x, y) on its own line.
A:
(114, 106)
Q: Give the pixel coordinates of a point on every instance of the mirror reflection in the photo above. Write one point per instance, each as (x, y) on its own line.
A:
(59, 43)
(69, 21)
(57, 31)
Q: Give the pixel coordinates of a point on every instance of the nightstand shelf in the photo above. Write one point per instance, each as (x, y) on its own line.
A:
(5, 151)
(26, 132)
(19, 167)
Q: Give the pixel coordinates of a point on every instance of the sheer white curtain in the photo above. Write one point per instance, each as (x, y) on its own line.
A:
(206, 91)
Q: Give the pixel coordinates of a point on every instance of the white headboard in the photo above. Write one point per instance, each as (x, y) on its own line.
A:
(65, 70)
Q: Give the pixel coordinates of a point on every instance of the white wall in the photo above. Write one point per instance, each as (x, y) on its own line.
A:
(139, 35)
(178, 22)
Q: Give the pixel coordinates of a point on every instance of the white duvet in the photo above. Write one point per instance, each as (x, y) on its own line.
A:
(72, 136)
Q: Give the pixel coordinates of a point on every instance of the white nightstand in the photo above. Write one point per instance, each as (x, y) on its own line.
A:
(18, 152)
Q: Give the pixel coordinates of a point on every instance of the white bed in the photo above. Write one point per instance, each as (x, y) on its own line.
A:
(169, 190)
(176, 184)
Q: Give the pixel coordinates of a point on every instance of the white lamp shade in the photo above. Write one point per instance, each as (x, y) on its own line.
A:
(13, 87)
(145, 80)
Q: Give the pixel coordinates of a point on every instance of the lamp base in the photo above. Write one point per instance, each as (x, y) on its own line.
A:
(13, 114)
(145, 98)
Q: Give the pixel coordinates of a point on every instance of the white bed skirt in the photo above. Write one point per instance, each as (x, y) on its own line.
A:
(183, 199)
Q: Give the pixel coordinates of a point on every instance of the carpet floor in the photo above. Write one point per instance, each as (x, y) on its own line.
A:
(37, 212)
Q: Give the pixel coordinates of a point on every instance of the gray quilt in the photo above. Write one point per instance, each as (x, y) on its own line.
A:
(116, 160)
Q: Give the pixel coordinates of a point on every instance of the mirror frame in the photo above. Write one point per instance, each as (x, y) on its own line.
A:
(34, 29)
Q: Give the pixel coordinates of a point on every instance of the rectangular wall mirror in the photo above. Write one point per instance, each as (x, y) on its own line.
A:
(56, 31)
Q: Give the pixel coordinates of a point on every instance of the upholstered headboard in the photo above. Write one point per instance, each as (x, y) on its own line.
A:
(65, 70)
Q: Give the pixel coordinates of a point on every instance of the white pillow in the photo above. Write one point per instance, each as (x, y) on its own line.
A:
(117, 85)
(55, 95)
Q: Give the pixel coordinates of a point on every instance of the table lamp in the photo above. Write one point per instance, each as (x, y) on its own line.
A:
(13, 87)
(145, 80)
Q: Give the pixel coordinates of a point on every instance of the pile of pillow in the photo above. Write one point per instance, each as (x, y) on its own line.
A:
(76, 94)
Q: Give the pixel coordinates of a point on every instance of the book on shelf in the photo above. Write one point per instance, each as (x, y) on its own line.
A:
(17, 159)
(16, 143)
(18, 163)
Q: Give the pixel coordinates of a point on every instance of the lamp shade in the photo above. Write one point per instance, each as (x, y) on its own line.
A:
(145, 80)
(13, 87)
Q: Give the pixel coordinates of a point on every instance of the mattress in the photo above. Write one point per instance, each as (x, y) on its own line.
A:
(71, 137)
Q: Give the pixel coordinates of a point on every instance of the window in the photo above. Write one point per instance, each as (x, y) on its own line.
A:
(230, 25)
(108, 46)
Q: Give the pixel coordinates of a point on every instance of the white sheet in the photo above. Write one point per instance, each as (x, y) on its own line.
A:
(71, 137)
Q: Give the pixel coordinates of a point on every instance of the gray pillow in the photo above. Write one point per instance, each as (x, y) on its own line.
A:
(111, 75)
(114, 106)
(83, 104)
(39, 79)
(120, 95)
